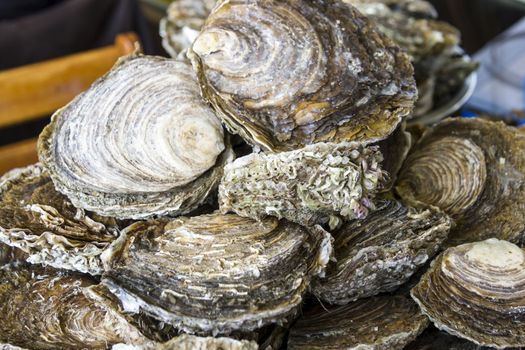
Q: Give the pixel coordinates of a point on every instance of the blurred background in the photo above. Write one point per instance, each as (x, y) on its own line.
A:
(50, 50)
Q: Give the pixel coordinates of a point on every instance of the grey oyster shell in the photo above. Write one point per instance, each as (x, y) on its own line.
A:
(474, 170)
(476, 291)
(139, 142)
(41, 222)
(316, 184)
(182, 24)
(381, 252)
(378, 323)
(215, 274)
(47, 309)
(285, 74)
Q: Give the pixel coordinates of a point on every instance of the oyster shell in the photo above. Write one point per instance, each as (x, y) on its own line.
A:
(381, 252)
(285, 74)
(388, 322)
(192, 342)
(41, 222)
(47, 309)
(315, 184)
(214, 274)
(183, 21)
(139, 143)
(474, 170)
(475, 291)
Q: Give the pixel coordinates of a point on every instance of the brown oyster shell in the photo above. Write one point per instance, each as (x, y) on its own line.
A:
(476, 291)
(285, 74)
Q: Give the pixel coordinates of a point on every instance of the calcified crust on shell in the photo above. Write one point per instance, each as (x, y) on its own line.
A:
(378, 323)
(140, 142)
(381, 252)
(41, 222)
(47, 309)
(214, 274)
(476, 291)
(315, 184)
(474, 170)
(284, 74)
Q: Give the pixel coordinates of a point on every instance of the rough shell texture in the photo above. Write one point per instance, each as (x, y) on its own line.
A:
(315, 184)
(192, 342)
(474, 170)
(284, 74)
(381, 252)
(38, 220)
(139, 142)
(213, 274)
(476, 291)
(378, 323)
(47, 309)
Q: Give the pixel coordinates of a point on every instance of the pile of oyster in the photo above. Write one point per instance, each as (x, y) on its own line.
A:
(261, 192)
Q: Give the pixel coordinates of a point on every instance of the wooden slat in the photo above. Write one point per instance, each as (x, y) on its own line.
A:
(17, 155)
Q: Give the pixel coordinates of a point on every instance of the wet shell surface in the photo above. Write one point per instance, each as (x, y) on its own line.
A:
(381, 252)
(285, 74)
(378, 323)
(139, 142)
(476, 291)
(213, 274)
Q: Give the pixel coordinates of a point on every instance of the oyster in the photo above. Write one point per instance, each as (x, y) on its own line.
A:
(388, 322)
(475, 291)
(182, 24)
(139, 143)
(381, 252)
(474, 170)
(285, 74)
(47, 309)
(41, 222)
(315, 184)
(214, 274)
(192, 342)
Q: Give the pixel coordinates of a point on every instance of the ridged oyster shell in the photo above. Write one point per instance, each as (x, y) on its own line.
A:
(315, 184)
(284, 74)
(476, 291)
(378, 323)
(139, 143)
(474, 170)
(38, 220)
(214, 274)
(381, 252)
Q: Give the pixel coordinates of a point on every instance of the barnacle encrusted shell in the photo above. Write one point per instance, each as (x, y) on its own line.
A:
(378, 323)
(381, 252)
(139, 142)
(183, 21)
(474, 170)
(47, 309)
(476, 291)
(284, 74)
(213, 274)
(315, 184)
(41, 222)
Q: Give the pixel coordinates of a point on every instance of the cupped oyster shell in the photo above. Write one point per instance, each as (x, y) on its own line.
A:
(381, 252)
(474, 170)
(378, 323)
(215, 274)
(139, 142)
(285, 74)
(476, 291)
(316, 184)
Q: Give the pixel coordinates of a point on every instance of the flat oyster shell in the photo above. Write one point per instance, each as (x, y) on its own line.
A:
(476, 291)
(315, 184)
(214, 274)
(378, 323)
(139, 142)
(381, 252)
(474, 170)
(285, 74)
(41, 222)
